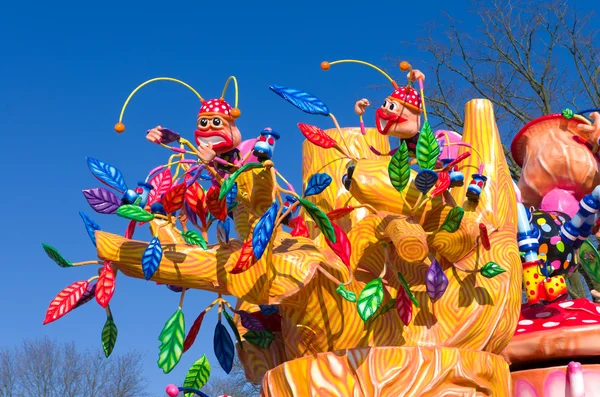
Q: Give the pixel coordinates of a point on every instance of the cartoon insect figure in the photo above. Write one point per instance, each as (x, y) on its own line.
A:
(476, 186)
(143, 190)
(457, 178)
(265, 144)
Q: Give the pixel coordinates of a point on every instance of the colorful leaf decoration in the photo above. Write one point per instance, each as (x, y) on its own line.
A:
(589, 259)
(404, 306)
(263, 230)
(198, 375)
(171, 338)
(130, 229)
(407, 289)
(341, 247)
(317, 184)
(107, 174)
(65, 301)
(229, 182)
(269, 310)
(195, 198)
(87, 296)
(233, 328)
(246, 259)
(322, 221)
(109, 335)
(55, 256)
(344, 293)
(491, 270)
(456, 161)
(105, 288)
(302, 100)
(173, 199)
(317, 136)
(484, 236)
(428, 147)
(399, 168)
(161, 183)
(442, 184)
(90, 226)
(135, 213)
(386, 307)
(370, 299)
(231, 196)
(151, 258)
(436, 281)
(567, 113)
(250, 322)
(216, 206)
(102, 200)
(223, 231)
(262, 339)
(224, 349)
(193, 333)
(192, 237)
(453, 220)
(425, 180)
(339, 213)
(299, 228)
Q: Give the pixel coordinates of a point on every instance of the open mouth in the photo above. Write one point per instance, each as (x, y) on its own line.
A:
(218, 139)
(384, 121)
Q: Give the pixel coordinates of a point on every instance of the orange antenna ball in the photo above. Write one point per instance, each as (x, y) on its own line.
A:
(325, 65)
(404, 66)
(120, 128)
(235, 113)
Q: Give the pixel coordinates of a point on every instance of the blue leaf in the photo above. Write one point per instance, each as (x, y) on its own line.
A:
(232, 195)
(151, 258)
(264, 230)
(107, 174)
(268, 310)
(174, 288)
(302, 100)
(205, 176)
(224, 348)
(425, 180)
(223, 229)
(316, 184)
(90, 226)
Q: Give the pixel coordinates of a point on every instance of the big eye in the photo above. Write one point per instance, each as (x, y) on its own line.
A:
(216, 122)
(384, 104)
(271, 141)
(203, 122)
(392, 106)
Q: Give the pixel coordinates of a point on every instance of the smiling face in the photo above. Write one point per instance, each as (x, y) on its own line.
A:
(395, 119)
(218, 130)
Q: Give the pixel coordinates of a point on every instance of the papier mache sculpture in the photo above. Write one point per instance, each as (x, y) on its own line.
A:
(386, 275)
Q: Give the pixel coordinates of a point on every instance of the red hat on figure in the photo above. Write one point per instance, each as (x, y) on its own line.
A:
(214, 107)
(408, 96)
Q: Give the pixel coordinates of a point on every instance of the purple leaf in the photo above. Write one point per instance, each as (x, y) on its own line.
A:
(250, 322)
(87, 296)
(436, 281)
(174, 288)
(169, 136)
(191, 215)
(102, 200)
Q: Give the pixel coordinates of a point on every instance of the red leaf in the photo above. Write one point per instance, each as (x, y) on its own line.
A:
(161, 183)
(404, 306)
(456, 161)
(191, 336)
(246, 259)
(317, 136)
(442, 184)
(173, 199)
(339, 213)
(485, 239)
(65, 301)
(105, 288)
(130, 229)
(299, 227)
(218, 208)
(341, 247)
(196, 199)
(272, 323)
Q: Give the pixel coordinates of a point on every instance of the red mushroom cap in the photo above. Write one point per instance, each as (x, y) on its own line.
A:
(215, 107)
(407, 96)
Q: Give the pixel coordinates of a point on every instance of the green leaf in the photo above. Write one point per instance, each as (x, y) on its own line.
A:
(171, 337)
(233, 328)
(109, 336)
(389, 305)
(322, 221)
(491, 269)
(348, 295)
(228, 182)
(134, 213)
(55, 256)
(453, 219)
(428, 148)
(407, 289)
(262, 339)
(198, 375)
(589, 259)
(399, 168)
(232, 206)
(192, 237)
(370, 299)
(138, 201)
(567, 113)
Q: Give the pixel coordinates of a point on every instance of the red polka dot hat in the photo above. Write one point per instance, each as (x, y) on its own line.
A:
(407, 96)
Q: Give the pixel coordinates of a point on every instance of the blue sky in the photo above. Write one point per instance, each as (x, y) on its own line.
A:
(66, 69)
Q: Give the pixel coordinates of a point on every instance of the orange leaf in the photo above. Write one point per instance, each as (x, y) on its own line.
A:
(339, 213)
(191, 336)
(161, 183)
(246, 259)
(317, 136)
(65, 301)
(218, 208)
(442, 184)
(173, 199)
(106, 285)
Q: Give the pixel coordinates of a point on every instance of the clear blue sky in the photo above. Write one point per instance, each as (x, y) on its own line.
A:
(66, 69)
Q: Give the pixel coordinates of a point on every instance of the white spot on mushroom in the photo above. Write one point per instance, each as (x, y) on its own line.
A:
(525, 322)
(589, 321)
(521, 330)
(598, 309)
(566, 304)
(550, 324)
(543, 314)
(572, 318)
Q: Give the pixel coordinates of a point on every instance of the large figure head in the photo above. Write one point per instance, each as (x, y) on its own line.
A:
(216, 125)
(400, 113)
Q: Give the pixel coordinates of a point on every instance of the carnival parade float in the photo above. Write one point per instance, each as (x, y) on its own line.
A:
(394, 271)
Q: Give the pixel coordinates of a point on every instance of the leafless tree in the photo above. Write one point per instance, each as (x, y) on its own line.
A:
(44, 368)
(234, 384)
(528, 57)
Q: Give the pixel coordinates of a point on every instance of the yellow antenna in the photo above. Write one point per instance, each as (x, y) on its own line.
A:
(235, 112)
(120, 127)
(326, 65)
(404, 66)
